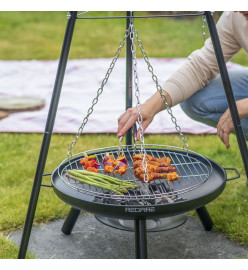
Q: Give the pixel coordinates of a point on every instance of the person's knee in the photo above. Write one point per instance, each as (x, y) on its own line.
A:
(201, 111)
(190, 109)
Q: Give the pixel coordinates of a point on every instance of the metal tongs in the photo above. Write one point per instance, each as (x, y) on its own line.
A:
(134, 132)
(120, 146)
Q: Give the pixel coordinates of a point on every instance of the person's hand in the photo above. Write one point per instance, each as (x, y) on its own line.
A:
(149, 109)
(225, 125)
(130, 116)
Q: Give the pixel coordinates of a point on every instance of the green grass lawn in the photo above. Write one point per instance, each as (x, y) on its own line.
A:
(39, 35)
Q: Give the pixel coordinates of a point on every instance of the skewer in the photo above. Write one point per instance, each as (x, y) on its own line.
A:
(120, 146)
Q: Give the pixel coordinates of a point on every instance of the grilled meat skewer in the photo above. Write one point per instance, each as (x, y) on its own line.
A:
(151, 168)
(138, 163)
(156, 168)
(151, 158)
(111, 164)
(171, 176)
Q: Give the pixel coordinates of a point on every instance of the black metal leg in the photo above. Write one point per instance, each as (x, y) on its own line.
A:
(140, 238)
(228, 90)
(70, 221)
(129, 76)
(47, 136)
(205, 218)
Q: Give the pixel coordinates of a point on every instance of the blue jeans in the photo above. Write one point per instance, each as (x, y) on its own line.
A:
(208, 104)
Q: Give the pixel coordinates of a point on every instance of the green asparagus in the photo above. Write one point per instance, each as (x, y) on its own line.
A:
(108, 178)
(93, 183)
(112, 184)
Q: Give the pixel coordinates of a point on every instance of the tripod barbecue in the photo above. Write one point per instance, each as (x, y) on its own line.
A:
(201, 179)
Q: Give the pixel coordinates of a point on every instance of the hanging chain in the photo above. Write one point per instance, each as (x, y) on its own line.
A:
(138, 105)
(132, 33)
(99, 92)
(159, 88)
(204, 27)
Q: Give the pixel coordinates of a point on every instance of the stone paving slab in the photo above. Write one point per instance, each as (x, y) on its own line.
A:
(90, 239)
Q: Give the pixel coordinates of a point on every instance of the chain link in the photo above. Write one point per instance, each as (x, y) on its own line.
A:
(204, 27)
(159, 88)
(99, 92)
(138, 104)
(68, 15)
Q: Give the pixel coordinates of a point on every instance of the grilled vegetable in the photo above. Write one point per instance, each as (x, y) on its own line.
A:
(87, 158)
(109, 178)
(90, 163)
(112, 184)
(89, 181)
(122, 158)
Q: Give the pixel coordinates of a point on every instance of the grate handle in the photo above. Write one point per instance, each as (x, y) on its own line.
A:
(45, 185)
(232, 169)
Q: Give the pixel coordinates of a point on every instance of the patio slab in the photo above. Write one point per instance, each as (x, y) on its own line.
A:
(90, 239)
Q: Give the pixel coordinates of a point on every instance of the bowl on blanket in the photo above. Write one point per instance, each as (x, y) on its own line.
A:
(3, 114)
(21, 103)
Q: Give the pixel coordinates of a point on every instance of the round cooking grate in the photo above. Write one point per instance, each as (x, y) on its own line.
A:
(192, 168)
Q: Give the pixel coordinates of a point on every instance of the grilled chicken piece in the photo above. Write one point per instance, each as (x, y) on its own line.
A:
(171, 176)
(92, 169)
(108, 169)
(113, 162)
(155, 169)
(150, 158)
(151, 168)
(140, 157)
(153, 175)
(138, 163)
(121, 170)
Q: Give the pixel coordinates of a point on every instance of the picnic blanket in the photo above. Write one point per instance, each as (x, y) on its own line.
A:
(81, 82)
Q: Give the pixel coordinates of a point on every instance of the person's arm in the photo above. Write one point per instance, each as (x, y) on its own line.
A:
(191, 77)
(202, 66)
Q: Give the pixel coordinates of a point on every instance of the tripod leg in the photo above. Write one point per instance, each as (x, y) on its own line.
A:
(228, 90)
(47, 136)
(205, 218)
(129, 76)
(140, 238)
(70, 221)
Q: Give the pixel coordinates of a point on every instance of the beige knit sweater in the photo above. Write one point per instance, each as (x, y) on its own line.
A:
(202, 66)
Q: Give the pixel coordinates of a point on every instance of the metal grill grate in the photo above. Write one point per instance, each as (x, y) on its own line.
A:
(192, 168)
